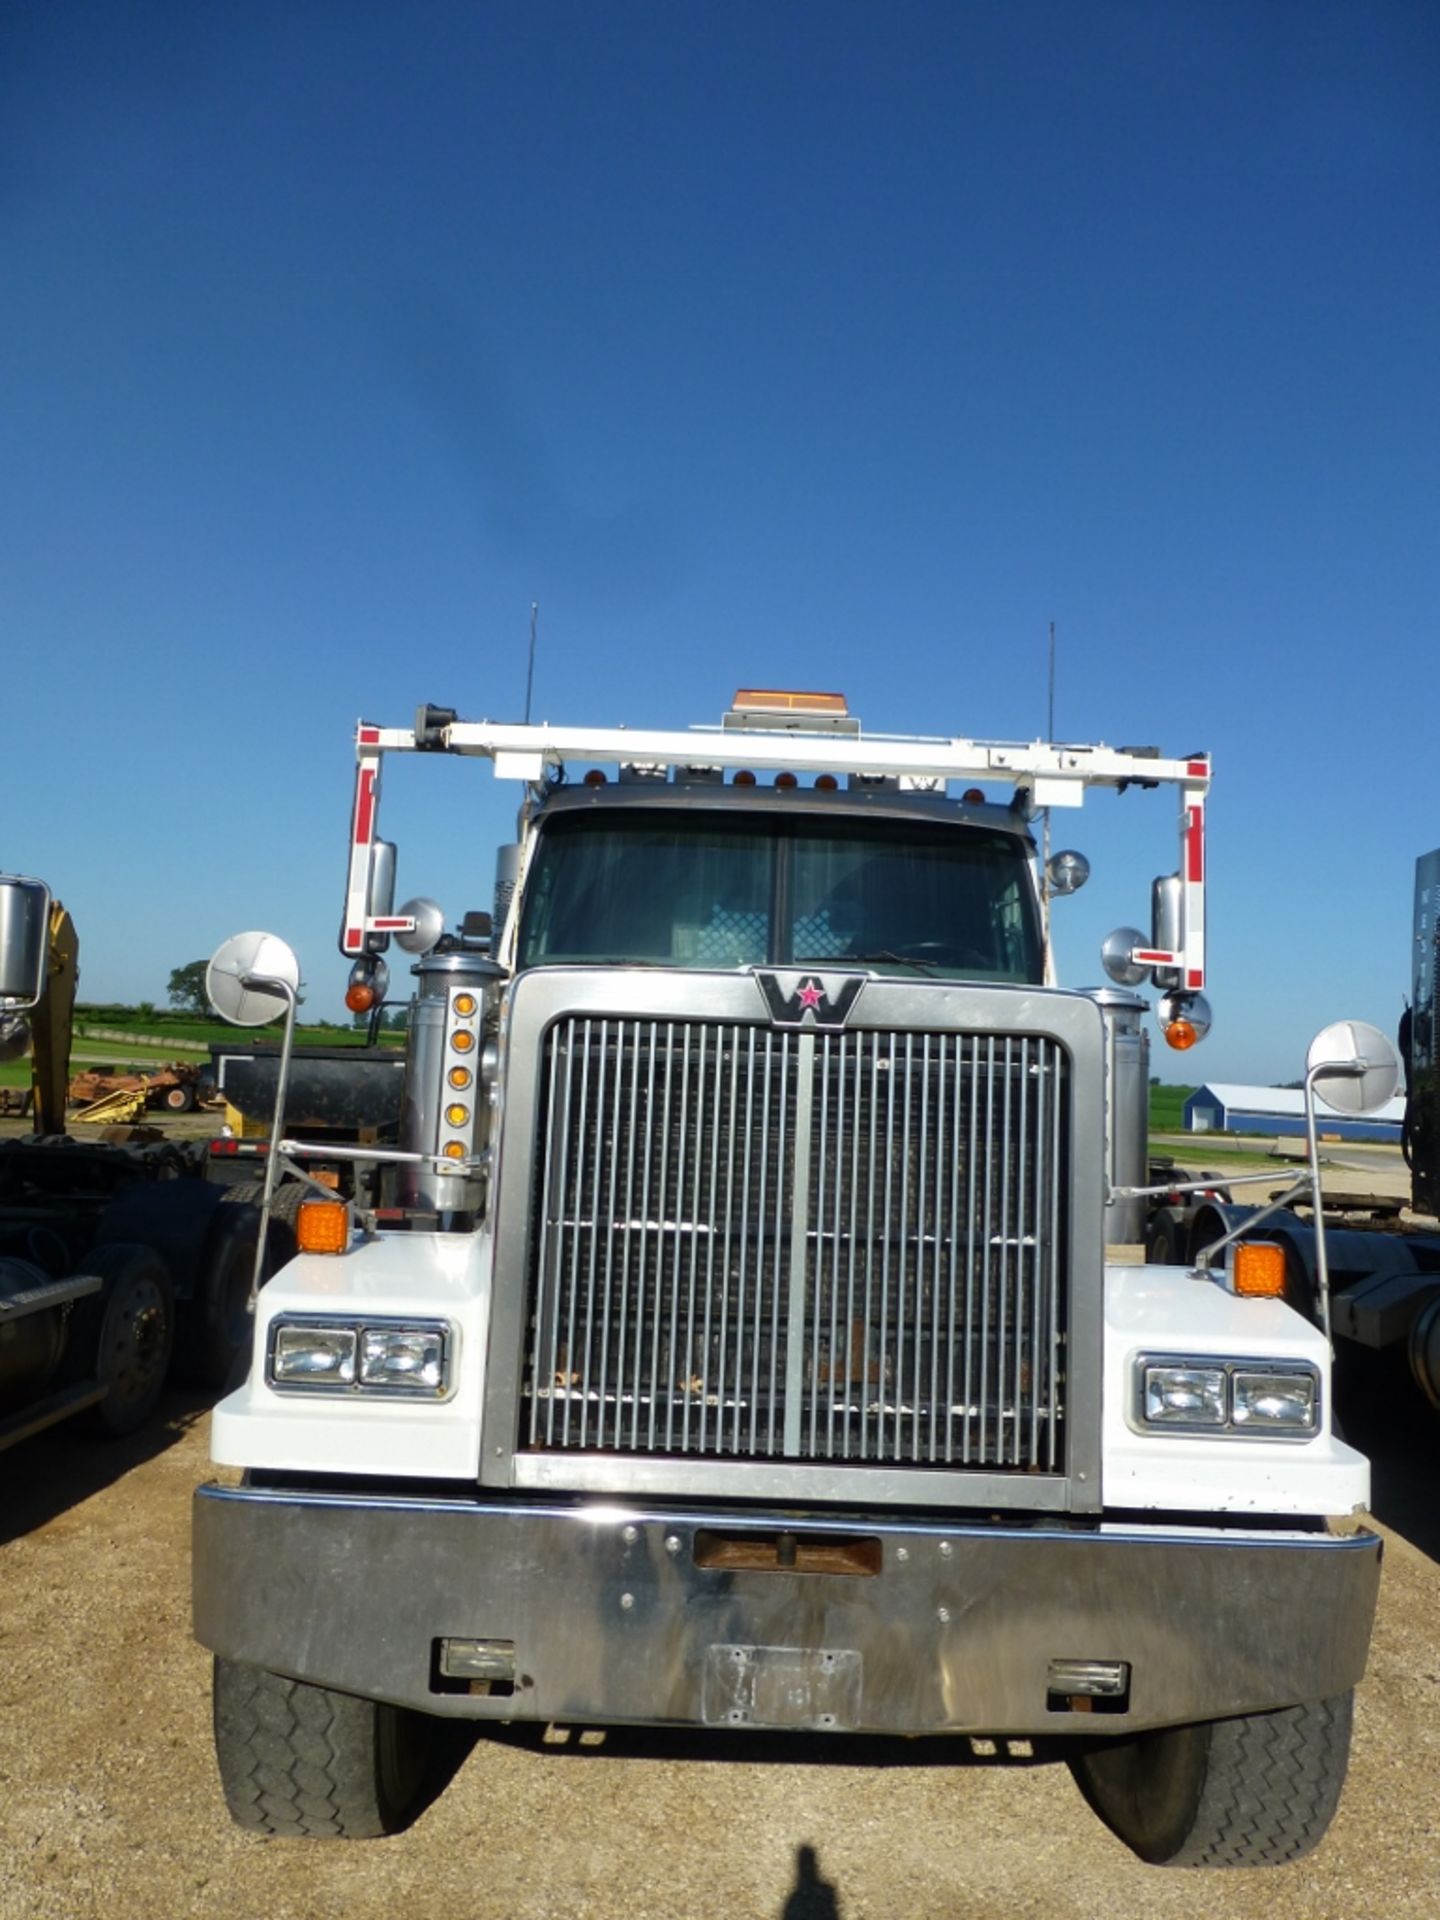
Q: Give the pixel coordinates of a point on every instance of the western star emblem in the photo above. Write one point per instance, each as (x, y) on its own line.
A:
(818, 1002)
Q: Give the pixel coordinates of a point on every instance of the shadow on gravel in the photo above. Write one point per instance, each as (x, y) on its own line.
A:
(813, 1898)
(724, 1747)
(1387, 1417)
(58, 1469)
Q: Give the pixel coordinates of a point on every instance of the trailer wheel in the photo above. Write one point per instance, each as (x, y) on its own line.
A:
(304, 1761)
(284, 1206)
(216, 1324)
(132, 1331)
(1165, 1242)
(179, 1099)
(1250, 1792)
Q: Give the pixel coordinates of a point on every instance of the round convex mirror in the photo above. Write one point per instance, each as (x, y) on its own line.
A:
(251, 957)
(1358, 1068)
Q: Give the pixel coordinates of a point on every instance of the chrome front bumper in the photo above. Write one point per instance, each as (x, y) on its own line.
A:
(652, 1616)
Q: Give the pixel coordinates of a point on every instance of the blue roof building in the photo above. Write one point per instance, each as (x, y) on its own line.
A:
(1217, 1108)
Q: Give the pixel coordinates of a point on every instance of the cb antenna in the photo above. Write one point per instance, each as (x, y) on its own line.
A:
(530, 674)
(1045, 831)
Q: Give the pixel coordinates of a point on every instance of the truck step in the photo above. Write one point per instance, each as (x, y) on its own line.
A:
(48, 1412)
(56, 1293)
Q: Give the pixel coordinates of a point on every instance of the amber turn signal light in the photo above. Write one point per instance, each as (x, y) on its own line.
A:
(1180, 1035)
(361, 997)
(322, 1226)
(1258, 1270)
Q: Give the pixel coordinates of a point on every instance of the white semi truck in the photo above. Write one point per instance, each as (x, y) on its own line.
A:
(750, 1330)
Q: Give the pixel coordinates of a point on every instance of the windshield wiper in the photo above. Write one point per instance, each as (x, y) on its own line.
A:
(882, 954)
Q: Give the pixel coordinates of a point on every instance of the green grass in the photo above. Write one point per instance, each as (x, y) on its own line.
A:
(1167, 1108)
(161, 1028)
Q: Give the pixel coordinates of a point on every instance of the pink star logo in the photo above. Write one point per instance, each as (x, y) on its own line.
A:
(810, 995)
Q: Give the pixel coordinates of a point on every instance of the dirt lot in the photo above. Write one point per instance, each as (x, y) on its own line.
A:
(109, 1805)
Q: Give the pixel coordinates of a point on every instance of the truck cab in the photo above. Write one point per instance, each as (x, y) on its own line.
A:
(739, 1338)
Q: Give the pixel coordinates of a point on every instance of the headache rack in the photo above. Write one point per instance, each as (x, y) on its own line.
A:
(792, 740)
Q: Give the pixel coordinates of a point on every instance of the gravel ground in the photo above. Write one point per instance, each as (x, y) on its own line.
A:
(109, 1803)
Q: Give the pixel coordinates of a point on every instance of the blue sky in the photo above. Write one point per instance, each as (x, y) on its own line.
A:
(837, 345)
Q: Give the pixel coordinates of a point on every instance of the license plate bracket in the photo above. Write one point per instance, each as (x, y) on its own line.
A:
(815, 1688)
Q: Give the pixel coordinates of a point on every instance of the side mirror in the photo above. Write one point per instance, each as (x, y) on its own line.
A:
(1354, 1067)
(1167, 908)
(1115, 956)
(246, 978)
(429, 918)
(24, 937)
(1067, 872)
(380, 899)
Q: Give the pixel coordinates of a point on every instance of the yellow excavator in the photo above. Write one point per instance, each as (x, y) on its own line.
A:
(114, 1258)
(46, 1024)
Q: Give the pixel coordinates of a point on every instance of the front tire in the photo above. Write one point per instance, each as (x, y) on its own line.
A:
(307, 1762)
(1250, 1792)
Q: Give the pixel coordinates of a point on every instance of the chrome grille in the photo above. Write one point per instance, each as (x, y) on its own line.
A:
(751, 1243)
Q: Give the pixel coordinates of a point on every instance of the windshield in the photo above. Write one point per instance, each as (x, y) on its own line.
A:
(696, 889)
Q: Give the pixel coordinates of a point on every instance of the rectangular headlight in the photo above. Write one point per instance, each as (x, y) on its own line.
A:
(410, 1358)
(361, 1356)
(1278, 1402)
(313, 1356)
(1184, 1396)
(1235, 1399)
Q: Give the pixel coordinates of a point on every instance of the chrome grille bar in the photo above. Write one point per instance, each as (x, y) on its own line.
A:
(817, 1247)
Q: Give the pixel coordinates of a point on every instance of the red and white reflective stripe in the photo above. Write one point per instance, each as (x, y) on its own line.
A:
(362, 840)
(1154, 957)
(390, 923)
(1192, 870)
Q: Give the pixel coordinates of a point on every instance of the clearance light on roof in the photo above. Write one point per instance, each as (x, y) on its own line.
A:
(596, 777)
(826, 783)
(785, 700)
(744, 778)
(973, 797)
(786, 781)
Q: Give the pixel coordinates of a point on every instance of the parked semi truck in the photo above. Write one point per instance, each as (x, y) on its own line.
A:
(1381, 1280)
(750, 1328)
(117, 1262)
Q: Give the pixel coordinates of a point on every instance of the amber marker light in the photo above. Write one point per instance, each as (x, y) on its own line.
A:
(453, 1150)
(456, 1115)
(596, 777)
(462, 1042)
(1180, 1035)
(744, 778)
(464, 1005)
(826, 783)
(786, 781)
(1258, 1270)
(361, 997)
(322, 1226)
(460, 1078)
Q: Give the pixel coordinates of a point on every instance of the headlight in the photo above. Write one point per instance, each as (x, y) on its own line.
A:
(1248, 1399)
(1185, 1396)
(313, 1356)
(1277, 1402)
(411, 1358)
